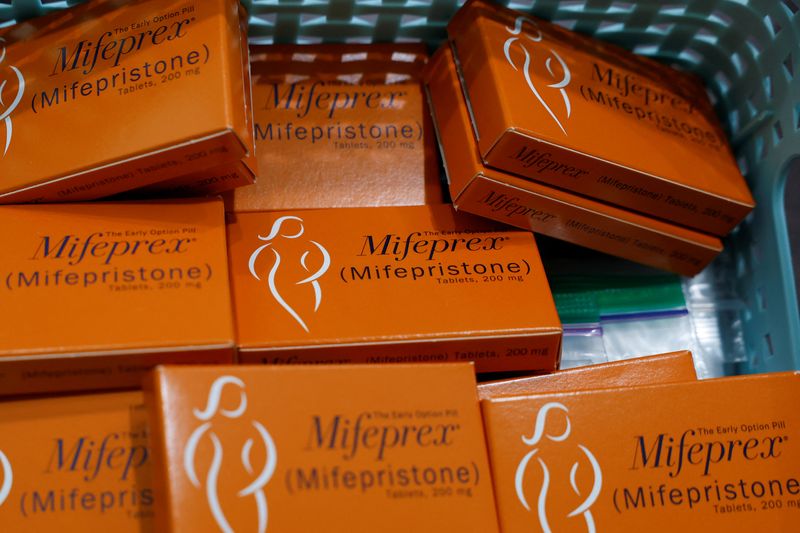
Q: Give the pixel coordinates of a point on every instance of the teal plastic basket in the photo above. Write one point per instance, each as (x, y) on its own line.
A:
(748, 52)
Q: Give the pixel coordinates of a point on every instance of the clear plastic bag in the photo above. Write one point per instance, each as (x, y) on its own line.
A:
(630, 310)
(582, 345)
(650, 332)
(717, 315)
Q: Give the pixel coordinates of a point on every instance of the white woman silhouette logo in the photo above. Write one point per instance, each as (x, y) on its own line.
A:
(8, 477)
(308, 277)
(206, 430)
(539, 432)
(8, 106)
(559, 85)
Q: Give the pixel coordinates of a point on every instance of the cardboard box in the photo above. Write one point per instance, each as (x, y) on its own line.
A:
(76, 463)
(154, 90)
(720, 454)
(389, 285)
(95, 294)
(675, 367)
(500, 196)
(567, 110)
(340, 126)
(337, 449)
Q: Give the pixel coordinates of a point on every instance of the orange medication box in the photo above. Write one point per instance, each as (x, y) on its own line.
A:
(340, 126)
(94, 294)
(722, 455)
(336, 448)
(675, 367)
(566, 110)
(101, 98)
(548, 210)
(78, 463)
(390, 284)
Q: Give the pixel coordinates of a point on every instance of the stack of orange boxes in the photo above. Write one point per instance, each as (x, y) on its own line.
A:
(300, 354)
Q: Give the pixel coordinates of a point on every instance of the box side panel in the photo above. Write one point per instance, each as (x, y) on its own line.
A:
(548, 163)
(154, 397)
(216, 180)
(86, 372)
(133, 173)
(595, 229)
(666, 368)
(535, 352)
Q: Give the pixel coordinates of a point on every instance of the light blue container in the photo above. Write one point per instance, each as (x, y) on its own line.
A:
(748, 52)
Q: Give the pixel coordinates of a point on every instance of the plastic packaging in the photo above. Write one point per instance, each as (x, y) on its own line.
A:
(582, 345)
(613, 309)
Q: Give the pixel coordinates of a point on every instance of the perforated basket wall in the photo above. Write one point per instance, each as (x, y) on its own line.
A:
(748, 51)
